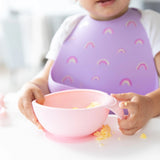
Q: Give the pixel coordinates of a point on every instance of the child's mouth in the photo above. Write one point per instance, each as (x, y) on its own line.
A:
(105, 2)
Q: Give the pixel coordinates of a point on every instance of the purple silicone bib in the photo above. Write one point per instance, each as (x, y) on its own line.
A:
(112, 56)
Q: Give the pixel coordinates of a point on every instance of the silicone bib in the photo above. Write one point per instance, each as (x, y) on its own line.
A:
(112, 56)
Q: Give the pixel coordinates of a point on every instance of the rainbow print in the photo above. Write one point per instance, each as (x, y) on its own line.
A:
(67, 79)
(72, 59)
(126, 81)
(103, 61)
(108, 31)
(130, 22)
(97, 78)
(89, 44)
(121, 50)
(142, 65)
(139, 41)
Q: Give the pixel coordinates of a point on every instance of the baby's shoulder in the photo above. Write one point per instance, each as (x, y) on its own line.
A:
(150, 19)
(74, 18)
(149, 14)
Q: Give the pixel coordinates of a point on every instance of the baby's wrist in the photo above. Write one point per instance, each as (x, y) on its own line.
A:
(152, 106)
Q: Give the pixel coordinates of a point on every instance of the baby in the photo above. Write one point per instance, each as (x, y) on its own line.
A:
(114, 49)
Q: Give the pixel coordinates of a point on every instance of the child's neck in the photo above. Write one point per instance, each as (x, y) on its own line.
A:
(112, 17)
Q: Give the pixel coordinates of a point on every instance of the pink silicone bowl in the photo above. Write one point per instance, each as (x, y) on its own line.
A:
(58, 117)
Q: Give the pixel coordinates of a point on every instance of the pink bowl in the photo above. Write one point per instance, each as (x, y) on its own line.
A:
(58, 117)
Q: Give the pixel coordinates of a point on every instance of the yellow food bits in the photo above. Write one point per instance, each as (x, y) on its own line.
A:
(118, 138)
(75, 108)
(143, 136)
(93, 104)
(104, 133)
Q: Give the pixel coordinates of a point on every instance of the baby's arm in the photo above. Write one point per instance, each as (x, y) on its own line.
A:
(141, 108)
(34, 89)
(155, 96)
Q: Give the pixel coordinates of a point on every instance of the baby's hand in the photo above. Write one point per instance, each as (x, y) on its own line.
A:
(139, 111)
(28, 93)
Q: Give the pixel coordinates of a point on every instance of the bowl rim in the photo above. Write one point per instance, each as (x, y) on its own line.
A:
(71, 109)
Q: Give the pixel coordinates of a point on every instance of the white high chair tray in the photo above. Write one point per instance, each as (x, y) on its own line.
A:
(20, 139)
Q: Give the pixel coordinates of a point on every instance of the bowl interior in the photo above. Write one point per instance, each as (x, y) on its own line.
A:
(75, 99)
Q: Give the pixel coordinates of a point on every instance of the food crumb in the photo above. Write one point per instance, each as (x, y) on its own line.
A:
(93, 104)
(119, 138)
(143, 136)
(104, 133)
(75, 108)
(101, 144)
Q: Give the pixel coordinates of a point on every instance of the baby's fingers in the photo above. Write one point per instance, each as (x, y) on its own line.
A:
(124, 96)
(38, 95)
(25, 107)
(28, 112)
(130, 106)
(129, 131)
(25, 104)
(127, 123)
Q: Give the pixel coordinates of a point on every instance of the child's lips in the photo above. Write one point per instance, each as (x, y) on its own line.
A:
(105, 2)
